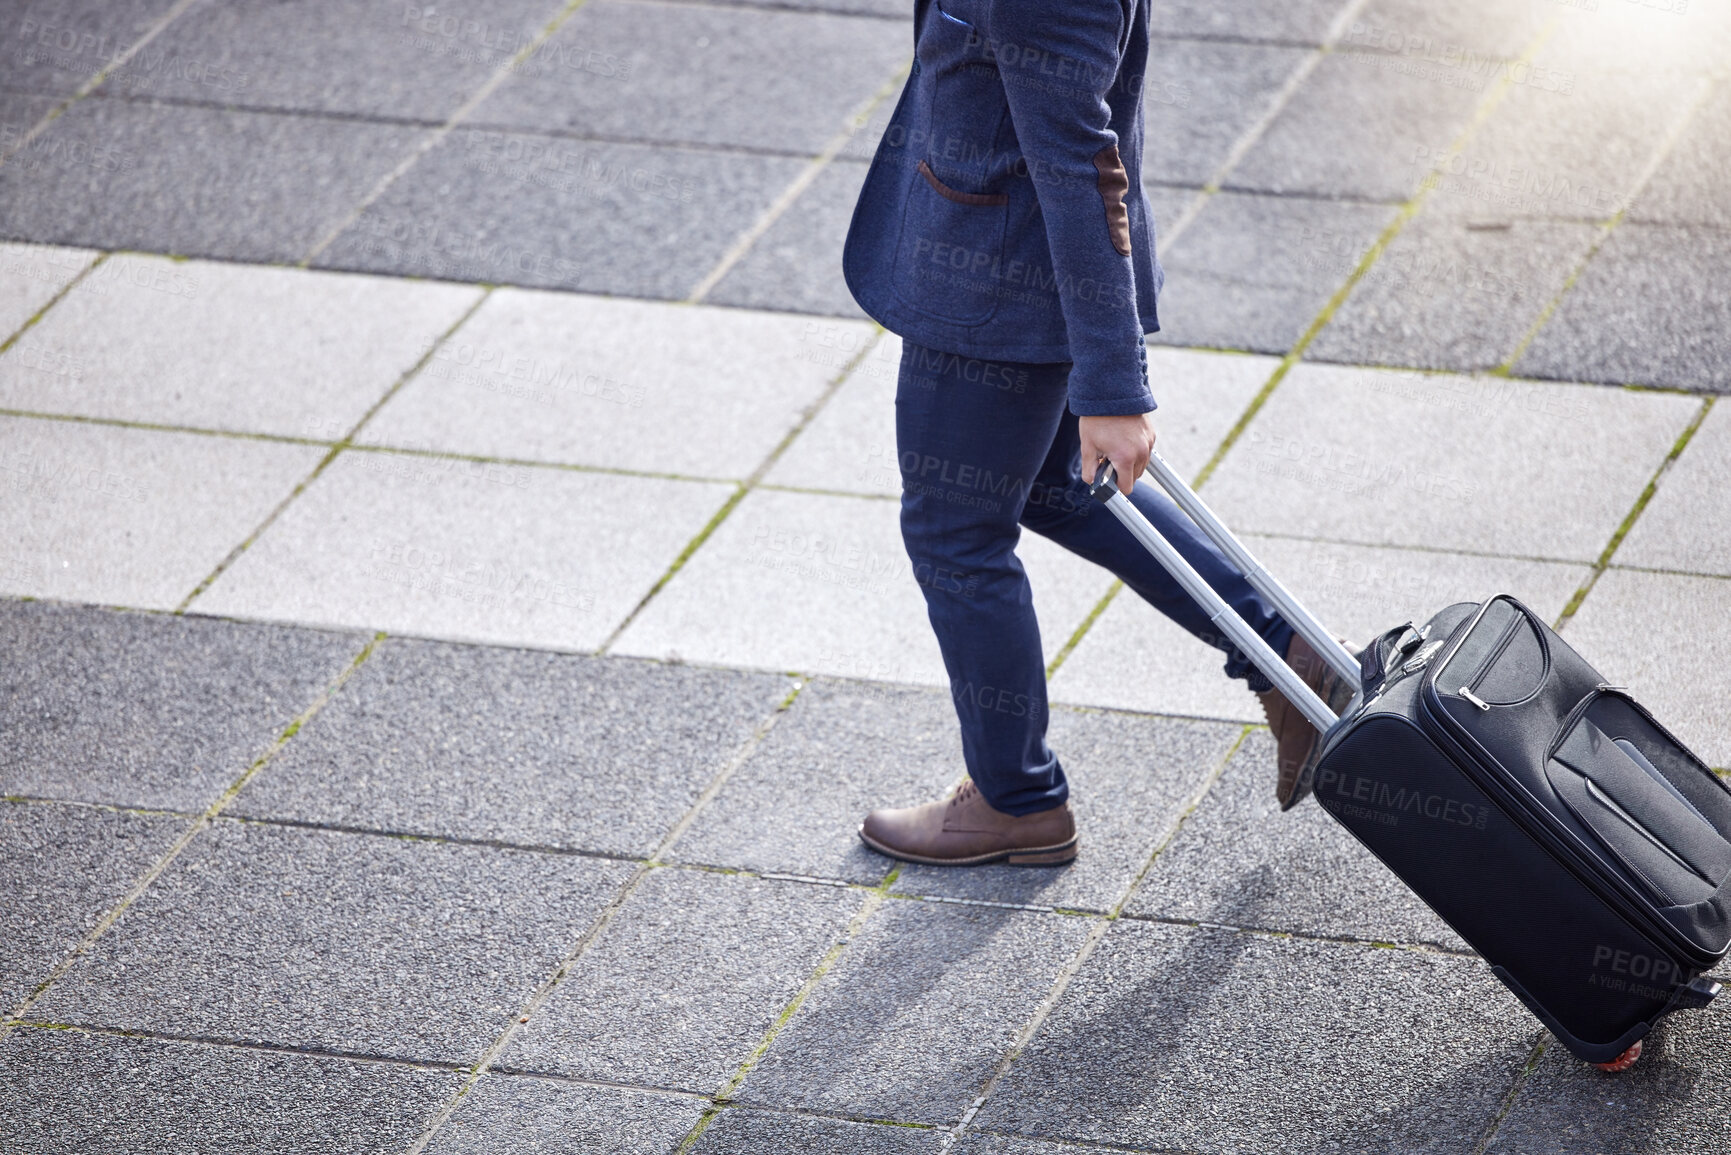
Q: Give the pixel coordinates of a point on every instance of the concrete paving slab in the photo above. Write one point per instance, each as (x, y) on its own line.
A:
(844, 748)
(498, 207)
(1688, 188)
(514, 746)
(66, 1091)
(1129, 780)
(850, 445)
(1359, 591)
(1201, 96)
(54, 46)
(198, 181)
(1166, 203)
(975, 1142)
(465, 551)
(1238, 861)
(327, 941)
(148, 710)
(1674, 1101)
(886, 9)
(30, 275)
(227, 346)
(821, 584)
(62, 869)
(131, 517)
(1455, 293)
(618, 384)
(1686, 38)
(1302, 1046)
(745, 1132)
(1659, 634)
(681, 986)
(1646, 311)
(796, 265)
(1528, 158)
(1463, 33)
(1352, 128)
(542, 1117)
(695, 74)
(1305, 22)
(1252, 272)
(1684, 527)
(877, 1038)
(1306, 466)
(398, 61)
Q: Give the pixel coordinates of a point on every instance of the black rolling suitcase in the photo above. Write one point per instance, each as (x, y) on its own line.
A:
(1561, 831)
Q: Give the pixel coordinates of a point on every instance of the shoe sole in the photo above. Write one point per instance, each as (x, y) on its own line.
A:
(1055, 855)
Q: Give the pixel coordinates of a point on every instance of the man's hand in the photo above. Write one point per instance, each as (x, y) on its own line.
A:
(1124, 441)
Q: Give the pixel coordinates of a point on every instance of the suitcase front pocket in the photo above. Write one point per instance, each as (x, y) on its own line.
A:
(1645, 800)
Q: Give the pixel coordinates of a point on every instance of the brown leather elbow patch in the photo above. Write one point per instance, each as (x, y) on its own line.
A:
(1114, 183)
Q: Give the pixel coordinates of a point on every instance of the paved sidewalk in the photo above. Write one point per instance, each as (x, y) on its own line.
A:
(452, 615)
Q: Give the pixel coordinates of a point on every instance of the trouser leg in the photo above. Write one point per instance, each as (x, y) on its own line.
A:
(970, 438)
(1060, 509)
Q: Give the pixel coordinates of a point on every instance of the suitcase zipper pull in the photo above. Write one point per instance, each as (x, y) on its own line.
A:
(1474, 699)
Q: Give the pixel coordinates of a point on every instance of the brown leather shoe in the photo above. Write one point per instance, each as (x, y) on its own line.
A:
(1297, 743)
(963, 830)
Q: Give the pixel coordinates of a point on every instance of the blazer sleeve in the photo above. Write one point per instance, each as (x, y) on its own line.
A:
(1059, 63)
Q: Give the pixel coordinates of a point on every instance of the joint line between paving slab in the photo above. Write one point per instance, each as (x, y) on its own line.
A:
(102, 74)
(335, 451)
(805, 418)
(437, 135)
(1407, 211)
(1703, 90)
(744, 242)
(603, 919)
(1025, 1037)
(30, 322)
(1337, 27)
(1514, 1092)
(723, 1096)
(1628, 523)
(198, 825)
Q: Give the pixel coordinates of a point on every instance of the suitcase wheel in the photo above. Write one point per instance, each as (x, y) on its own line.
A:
(1623, 1061)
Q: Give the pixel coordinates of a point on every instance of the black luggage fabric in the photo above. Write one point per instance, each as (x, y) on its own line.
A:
(1545, 815)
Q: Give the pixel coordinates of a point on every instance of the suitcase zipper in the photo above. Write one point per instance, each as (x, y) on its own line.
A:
(1528, 814)
(1466, 691)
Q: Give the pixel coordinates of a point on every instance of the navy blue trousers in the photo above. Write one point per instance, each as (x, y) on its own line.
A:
(987, 447)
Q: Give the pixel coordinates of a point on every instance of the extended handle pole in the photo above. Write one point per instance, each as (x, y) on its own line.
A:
(1299, 618)
(1224, 617)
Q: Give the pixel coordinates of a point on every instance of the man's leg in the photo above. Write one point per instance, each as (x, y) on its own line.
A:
(971, 436)
(1059, 508)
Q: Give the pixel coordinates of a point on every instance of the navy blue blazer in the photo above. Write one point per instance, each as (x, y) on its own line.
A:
(1003, 215)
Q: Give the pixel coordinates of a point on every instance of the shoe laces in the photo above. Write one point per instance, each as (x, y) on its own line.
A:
(964, 792)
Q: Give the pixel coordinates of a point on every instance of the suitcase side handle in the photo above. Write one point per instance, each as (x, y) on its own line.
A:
(1224, 617)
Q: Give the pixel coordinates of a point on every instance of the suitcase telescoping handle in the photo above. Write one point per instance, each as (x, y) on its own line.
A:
(1225, 618)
